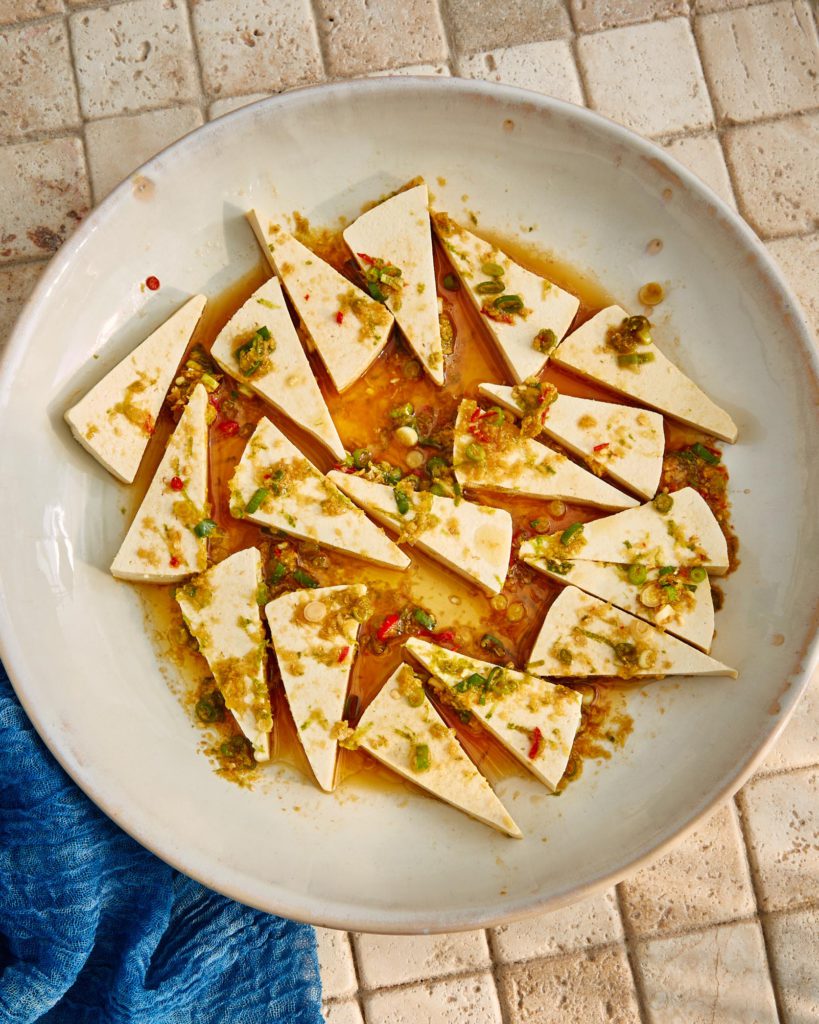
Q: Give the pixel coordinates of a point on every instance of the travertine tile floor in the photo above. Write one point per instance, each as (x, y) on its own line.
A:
(725, 928)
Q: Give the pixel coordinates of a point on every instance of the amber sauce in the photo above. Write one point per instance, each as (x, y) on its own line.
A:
(362, 418)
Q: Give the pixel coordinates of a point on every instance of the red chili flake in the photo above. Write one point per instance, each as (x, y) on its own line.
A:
(176, 483)
(387, 627)
(339, 317)
(537, 739)
(214, 401)
(367, 259)
(229, 428)
(306, 296)
(174, 562)
(342, 654)
(148, 426)
(152, 283)
(446, 636)
(600, 447)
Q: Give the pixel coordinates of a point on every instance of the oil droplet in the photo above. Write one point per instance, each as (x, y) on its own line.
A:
(654, 246)
(777, 640)
(651, 294)
(667, 194)
(508, 124)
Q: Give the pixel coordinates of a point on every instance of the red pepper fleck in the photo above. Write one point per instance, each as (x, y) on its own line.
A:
(342, 654)
(229, 428)
(476, 415)
(387, 627)
(174, 562)
(148, 426)
(537, 739)
(176, 483)
(600, 447)
(367, 259)
(306, 296)
(446, 637)
(152, 283)
(214, 401)
(339, 317)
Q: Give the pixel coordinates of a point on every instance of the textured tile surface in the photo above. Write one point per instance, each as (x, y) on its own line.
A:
(464, 1000)
(395, 959)
(703, 155)
(782, 816)
(794, 939)
(761, 60)
(799, 259)
(12, 11)
(592, 986)
(703, 880)
(546, 67)
(37, 90)
(425, 70)
(647, 77)
(336, 963)
(44, 194)
(359, 35)
(777, 174)
(133, 56)
(592, 15)
(16, 284)
(118, 145)
(258, 46)
(345, 1012)
(591, 922)
(484, 24)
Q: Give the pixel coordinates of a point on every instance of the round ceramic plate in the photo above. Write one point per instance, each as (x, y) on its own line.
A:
(74, 639)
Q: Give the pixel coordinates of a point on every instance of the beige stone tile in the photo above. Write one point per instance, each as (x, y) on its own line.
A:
(718, 975)
(476, 25)
(799, 259)
(346, 1012)
(782, 822)
(16, 284)
(706, 6)
(591, 986)
(335, 963)
(647, 77)
(793, 941)
(37, 92)
(760, 61)
(396, 959)
(591, 922)
(425, 70)
(359, 35)
(465, 1000)
(12, 11)
(118, 145)
(225, 106)
(546, 67)
(257, 46)
(777, 174)
(592, 15)
(703, 880)
(703, 155)
(133, 56)
(43, 196)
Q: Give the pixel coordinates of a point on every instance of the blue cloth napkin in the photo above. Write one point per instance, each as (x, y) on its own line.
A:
(94, 928)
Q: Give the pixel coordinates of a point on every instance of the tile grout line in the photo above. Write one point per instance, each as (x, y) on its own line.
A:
(575, 51)
(495, 969)
(359, 989)
(322, 47)
(631, 945)
(72, 56)
(203, 101)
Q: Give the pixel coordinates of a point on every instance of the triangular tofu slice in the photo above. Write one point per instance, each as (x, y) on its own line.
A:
(674, 601)
(396, 235)
(314, 636)
(116, 419)
(473, 540)
(491, 457)
(402, 730)
(618, 441)
(347, 327)
(275, 367)
(583, 636)
(276, 486)
(536, 721)
(525, 330)
(687, 534)
(657, 382)
(221, 610)
(161, 545)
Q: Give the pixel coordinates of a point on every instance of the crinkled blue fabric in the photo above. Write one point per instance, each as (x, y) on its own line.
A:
(96, 930)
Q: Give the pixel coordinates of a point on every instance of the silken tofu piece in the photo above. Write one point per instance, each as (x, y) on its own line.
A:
(259, 346)
(116, 419)
(657, 382)
(396, 236)
(687, 534)
(314, 636)
(347, 327)
(535, 720)
(583, 636)
(221, 610)
(524, 333)
(500, 459)
(162, 544)
(402, 730)
(472, 540)
(276, 486)
(618, 441)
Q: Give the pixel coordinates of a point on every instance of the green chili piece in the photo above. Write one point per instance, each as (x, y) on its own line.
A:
(401, 500)
(421, 757)
(423, 618)
(362, 458)
(625, 652)
(564, 656)
(570, 533)
(492, 269)
(451, 283)
(204, 528)
(402, 412)
(672, 594)
(436, 466)
(392, 475)
(489, 642)
(438, 490)
(712, 458)
(698, 574)
(489, 288)
(545, 340)
(474, 452)
(635, 358)
(277, 573)
(508, 303)
(304, 579)
(663, 503)
(637, 574)
(207, 710)
(665, 570)
(256, 500)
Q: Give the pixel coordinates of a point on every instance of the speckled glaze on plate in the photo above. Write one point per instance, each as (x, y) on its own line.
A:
(74, 640)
